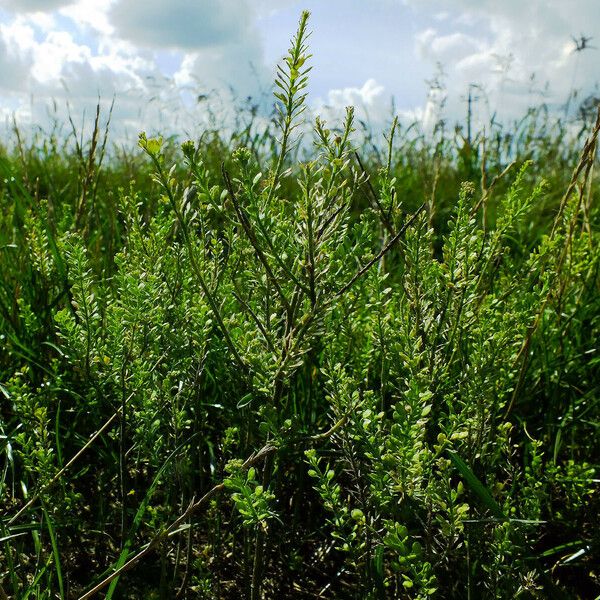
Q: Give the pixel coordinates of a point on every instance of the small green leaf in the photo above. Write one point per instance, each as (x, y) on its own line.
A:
(357, 514)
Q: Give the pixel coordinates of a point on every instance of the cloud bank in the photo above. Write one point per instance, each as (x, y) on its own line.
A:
(171, 64)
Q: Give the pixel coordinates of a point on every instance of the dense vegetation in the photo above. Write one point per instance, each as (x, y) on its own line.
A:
(249, 367)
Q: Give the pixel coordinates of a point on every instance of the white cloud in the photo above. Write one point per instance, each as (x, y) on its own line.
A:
(452, 47)
(32, 6)
(181, 23)
(15, 59)
(180, 58)
(90, 14)
(235, 67)
(369, 95)
(500, 45)
(76, 55)
(372, 104)
(221, 44)
(56, 55)
(43, 72)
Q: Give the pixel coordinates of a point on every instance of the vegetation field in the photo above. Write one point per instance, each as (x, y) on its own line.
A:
(303, 360)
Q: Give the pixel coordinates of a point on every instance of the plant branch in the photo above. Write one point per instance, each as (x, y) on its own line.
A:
(174, 526)
(381, 253)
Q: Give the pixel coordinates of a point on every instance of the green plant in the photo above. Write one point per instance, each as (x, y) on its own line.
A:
(280, 364)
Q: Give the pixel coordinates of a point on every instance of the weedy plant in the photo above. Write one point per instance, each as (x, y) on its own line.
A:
(227, 371)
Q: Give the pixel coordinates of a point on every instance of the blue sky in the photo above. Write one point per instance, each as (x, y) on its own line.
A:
(157, 58)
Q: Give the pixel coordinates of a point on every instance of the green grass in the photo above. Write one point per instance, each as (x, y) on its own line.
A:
(350, 368)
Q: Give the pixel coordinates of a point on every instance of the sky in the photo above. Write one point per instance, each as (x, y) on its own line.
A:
(178, 66)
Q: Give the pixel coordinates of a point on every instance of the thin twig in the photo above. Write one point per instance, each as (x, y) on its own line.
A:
(77, 455)
(588, 157)
(164, 181)
(485, 196)
(247, 226)
(174, 526)
(381, 253)
(89, 168)
(335, 427)
(384, 218)
(66, 467)
(256, 320)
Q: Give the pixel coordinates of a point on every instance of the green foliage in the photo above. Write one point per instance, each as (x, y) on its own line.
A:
(250, 498)
(230, 371)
